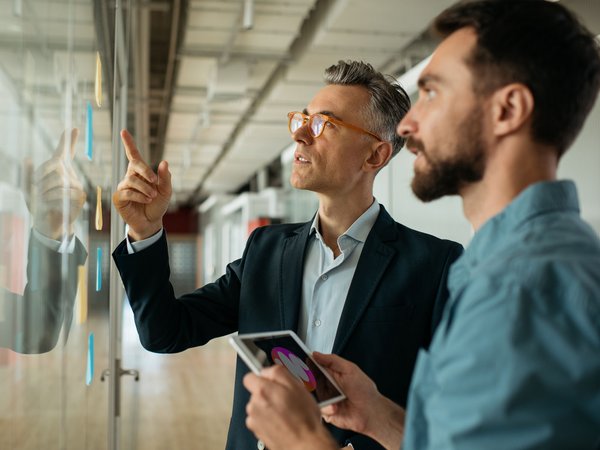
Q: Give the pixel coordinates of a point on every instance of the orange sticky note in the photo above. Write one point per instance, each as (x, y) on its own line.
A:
(98, 84)
(82, 295)
(98, 208)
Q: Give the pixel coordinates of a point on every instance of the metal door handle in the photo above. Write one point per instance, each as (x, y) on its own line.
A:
(133, 372)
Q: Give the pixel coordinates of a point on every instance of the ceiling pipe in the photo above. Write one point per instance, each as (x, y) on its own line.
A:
(104, 35)
(141, 69)
(168, 87)
(321, 15)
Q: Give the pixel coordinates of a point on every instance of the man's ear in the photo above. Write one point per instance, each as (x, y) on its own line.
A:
(512, 108)
(380, 155)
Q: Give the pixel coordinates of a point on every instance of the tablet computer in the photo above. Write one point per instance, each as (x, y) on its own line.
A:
(259, 350)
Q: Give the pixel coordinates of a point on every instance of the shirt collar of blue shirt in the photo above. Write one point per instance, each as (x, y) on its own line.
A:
(359, 230)
(539, 198)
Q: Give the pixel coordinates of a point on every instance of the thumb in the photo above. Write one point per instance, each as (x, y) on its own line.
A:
(66, 149)
(74, 136)
(164, 177)
(332, 362)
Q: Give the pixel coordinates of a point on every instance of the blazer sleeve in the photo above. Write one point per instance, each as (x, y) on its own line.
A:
(167, 324)
(33, 321)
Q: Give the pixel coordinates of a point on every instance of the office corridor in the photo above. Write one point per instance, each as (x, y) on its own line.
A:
(181, 401)
(216, 88)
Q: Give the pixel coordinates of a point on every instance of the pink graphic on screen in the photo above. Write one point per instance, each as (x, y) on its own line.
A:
(295, 365)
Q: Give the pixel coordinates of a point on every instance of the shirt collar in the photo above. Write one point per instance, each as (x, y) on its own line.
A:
(361, 227)
(539, 198)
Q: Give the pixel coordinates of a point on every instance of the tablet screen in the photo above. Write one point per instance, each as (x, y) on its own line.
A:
(285, 351)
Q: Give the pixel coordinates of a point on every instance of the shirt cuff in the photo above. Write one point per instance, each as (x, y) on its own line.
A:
(138, 246)
(67, 245)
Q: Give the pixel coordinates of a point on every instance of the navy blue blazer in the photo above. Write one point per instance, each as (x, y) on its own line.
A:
(394, 303)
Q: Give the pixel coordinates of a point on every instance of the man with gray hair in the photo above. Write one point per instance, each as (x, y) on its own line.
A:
(351, 281)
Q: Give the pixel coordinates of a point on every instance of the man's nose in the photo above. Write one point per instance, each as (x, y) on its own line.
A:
(302, 135)
(407, 126)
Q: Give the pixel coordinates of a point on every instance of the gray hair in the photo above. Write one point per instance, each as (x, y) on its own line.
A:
(389, 102)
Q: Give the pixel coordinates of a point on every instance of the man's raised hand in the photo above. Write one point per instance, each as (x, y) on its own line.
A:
(56, 195)
(142, 197)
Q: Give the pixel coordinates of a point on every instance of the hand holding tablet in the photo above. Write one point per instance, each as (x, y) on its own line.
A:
(260, 350)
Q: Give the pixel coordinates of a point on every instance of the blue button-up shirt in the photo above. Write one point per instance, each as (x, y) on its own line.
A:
(326, 280)
(515, 362)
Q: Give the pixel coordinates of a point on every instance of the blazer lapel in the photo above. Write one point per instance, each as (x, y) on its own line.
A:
(292, 268)
(374, 260)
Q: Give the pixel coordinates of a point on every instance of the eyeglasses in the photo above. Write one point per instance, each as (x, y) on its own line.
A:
(316, 124)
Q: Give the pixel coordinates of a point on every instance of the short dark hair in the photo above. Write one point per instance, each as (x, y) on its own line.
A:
(540, 44)
(389, 101)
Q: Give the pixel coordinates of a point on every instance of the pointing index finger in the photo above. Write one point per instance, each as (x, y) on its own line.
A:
(135, 158)
(131, 149)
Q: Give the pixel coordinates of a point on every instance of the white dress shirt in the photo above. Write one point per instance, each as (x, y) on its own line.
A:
(326, 280)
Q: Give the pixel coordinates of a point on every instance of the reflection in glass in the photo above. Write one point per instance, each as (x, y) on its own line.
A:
(32, 315)
(48, 71)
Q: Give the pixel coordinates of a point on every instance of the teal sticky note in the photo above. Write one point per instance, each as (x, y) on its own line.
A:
(98, 269)
(89, 135)
(89, 373)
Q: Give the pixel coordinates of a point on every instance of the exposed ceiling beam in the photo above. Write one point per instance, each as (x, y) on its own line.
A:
(313, 23)
(178, 23)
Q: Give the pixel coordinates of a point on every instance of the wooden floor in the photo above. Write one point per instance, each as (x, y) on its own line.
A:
(181, 401)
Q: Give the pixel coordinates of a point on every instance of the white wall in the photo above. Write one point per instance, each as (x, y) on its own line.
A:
(444, 218)
(582, 164)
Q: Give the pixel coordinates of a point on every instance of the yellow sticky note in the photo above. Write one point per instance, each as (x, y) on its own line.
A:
(82, 295)
(98, 84)
(98, 208)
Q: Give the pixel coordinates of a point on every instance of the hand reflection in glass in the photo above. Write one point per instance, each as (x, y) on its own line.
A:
(57, 196)
(30, 321)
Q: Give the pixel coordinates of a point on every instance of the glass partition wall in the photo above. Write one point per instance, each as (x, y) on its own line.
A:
(59, 157)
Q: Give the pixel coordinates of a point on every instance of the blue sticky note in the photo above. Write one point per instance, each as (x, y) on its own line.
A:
(89, 136)
(89, 373)
(98, 269)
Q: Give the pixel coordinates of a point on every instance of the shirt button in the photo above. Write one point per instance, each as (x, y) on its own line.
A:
(324, 277)
(317, 323)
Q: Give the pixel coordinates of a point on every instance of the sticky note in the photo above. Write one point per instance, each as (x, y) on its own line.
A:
(98, 208)
(82, 295)
(89, 372)
(98, 84)
(89, 136)
(98, 269)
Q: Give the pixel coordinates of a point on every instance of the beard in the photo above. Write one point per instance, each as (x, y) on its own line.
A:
(448, 176)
